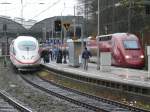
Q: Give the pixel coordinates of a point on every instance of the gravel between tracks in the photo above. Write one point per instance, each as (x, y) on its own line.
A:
(32, 97)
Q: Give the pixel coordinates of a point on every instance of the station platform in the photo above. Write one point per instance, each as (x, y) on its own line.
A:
(133, 80)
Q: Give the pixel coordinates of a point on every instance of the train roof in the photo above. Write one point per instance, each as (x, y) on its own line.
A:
(118, 35)
(25, 38)
(124, 35)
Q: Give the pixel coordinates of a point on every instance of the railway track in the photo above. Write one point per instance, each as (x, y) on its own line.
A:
(8, 104)
(82, 99)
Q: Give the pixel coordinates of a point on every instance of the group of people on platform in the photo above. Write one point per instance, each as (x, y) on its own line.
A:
(57, 54)
(60, 56)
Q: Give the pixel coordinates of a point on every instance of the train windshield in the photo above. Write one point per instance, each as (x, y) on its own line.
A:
(27, 45)
(131, 44)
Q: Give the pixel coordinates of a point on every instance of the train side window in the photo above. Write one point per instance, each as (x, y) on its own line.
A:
(14, 51)
(11, 49)
(113, 43)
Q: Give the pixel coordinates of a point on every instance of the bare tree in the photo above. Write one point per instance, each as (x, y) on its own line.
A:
(115, 16)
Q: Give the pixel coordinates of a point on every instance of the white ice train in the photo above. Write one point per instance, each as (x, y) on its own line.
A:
(24, 53)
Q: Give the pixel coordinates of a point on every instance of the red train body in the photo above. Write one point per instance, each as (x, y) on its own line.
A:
(126, 49)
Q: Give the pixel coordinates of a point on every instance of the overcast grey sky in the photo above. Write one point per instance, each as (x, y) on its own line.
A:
(36, 9)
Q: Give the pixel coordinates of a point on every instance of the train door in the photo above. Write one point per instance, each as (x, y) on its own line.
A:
(112, 52)
(116, 52)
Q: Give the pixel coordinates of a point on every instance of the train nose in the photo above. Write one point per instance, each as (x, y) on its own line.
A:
(28, 57)
(127, 57)
(32, 57)
(23, 57)
(135, 60)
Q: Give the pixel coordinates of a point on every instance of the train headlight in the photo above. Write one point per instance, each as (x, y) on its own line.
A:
(127, 57)
(142, 56)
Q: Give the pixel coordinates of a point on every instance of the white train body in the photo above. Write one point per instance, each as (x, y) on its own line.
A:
(24, 53)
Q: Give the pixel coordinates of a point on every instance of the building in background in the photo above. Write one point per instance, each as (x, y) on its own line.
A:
(57, 27)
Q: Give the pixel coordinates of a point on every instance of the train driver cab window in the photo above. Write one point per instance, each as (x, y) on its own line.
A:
(27, 45)
(131, 44)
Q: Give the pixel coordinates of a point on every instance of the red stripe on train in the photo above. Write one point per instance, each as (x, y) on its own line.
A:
(23, 62)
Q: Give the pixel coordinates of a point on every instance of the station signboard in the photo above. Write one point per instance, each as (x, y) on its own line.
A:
(54, 41)
(66, 26)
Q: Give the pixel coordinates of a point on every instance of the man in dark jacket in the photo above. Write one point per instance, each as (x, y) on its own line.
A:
(85, 56)
(45, 55)
(65, 53)
(51, 54)
(59, 56)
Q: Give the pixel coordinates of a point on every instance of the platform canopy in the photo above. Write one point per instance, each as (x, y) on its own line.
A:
(10, 27)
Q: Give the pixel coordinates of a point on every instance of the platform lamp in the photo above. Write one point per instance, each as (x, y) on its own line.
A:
(98, 52)
(66, 26)
(5, 35)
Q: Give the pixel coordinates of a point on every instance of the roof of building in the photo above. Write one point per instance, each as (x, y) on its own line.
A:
(11, 26)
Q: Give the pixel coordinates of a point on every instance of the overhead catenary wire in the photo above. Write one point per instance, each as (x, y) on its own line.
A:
(55, 3)
(25, 4)
(16, 8)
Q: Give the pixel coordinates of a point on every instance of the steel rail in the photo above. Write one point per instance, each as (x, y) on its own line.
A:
(13, 102)
(105, 100)
(126, 108)
(97, 109)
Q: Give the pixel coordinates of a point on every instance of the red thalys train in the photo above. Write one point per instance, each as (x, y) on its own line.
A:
(126, 49)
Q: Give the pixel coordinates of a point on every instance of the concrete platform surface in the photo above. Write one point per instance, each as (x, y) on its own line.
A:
(117, 74)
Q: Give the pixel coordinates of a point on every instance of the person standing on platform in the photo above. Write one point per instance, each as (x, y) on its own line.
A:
(45, 56)
(42, 54)
(65, 53)
(51, 54)
(55, 52)
(85, 56)
(59, 56)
